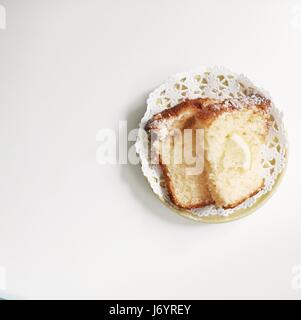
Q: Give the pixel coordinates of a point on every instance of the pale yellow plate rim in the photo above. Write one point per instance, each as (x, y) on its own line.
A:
(239, 214)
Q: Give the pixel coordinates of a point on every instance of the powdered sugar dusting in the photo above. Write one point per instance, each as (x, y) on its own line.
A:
(238, 92)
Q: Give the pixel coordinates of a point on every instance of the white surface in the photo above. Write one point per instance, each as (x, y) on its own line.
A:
(70, 228)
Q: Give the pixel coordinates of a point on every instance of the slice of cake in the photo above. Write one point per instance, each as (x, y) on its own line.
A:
(234, 153)
(186, 182)
(228, 159)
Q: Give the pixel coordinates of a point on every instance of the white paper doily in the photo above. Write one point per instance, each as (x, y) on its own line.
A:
(215, 83)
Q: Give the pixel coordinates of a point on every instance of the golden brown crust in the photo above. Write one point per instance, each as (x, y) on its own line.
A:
(205, 110)
(171, 192)
(234, 205)
(204, 114)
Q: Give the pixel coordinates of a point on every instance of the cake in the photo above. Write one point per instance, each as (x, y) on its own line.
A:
(185, 190)
(225, 166)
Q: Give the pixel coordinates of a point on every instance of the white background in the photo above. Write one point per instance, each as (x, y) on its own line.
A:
(71, 228)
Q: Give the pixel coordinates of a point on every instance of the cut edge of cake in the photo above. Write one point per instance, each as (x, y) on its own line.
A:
(206, 111)
(162, 124)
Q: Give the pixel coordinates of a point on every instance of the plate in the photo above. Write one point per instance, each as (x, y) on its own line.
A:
(239, 214)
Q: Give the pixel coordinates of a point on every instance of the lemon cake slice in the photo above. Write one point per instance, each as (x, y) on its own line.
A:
(234, 152)
(185, 181)
(228, 158)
